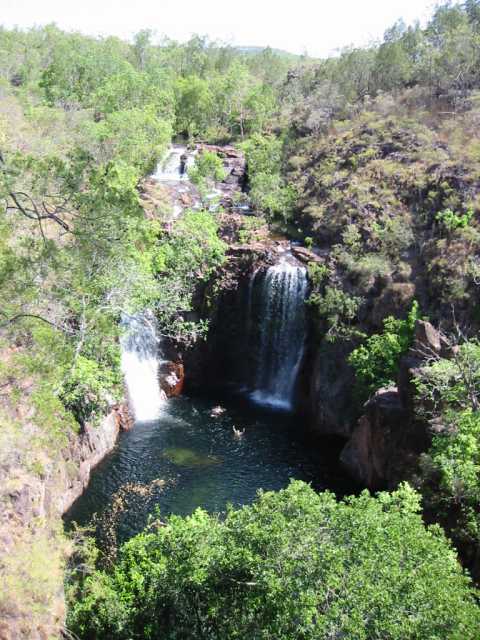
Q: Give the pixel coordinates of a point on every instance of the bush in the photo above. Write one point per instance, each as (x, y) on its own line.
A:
(376, 362)
(85, 390)
(452, 221)
(295, 564)
(208, 167)
(268, 190)
(454, 384)
(451, 481)
(336, 307)
(184, 261)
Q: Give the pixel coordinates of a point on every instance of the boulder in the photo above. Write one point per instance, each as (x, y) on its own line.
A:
(172, 378)
(409, 367)
(427, 340)
(305, 255)
(369, 455)
(123, 417)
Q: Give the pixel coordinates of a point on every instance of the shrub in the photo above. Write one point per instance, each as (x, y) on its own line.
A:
(85, 389)
(183, 261)
(451, 481)
(336, 307)
(376, 362)
(208, 168)
(451, 384)
(452, 221)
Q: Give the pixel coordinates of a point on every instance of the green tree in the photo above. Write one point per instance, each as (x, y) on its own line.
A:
(295, 564)
(268, 189)
(194, 104)
(135, 136)
(184, 260)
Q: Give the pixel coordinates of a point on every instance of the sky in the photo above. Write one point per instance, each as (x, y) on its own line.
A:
(317, 27)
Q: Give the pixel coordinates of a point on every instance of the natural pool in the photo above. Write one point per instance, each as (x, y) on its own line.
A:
(189, 458)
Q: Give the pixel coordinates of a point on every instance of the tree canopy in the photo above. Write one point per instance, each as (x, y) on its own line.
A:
(295, 564)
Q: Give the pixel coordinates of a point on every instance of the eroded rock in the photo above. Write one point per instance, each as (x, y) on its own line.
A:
(172, 378)
(306, 255)
(370, 452)
(332, 408)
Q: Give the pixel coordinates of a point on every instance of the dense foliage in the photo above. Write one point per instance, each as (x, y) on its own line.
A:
(449, 395)
(295, 564)
(376, 362)
(268, 189)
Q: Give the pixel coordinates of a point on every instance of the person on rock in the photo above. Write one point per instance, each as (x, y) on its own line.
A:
(183, 163)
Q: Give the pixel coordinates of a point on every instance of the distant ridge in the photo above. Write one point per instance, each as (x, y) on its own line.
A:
(251, 50)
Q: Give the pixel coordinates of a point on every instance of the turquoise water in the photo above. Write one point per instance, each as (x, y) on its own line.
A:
(188, 459)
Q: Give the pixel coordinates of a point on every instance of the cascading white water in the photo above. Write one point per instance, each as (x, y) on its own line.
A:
(169, 169)
(277, 300)
(174, 169)
(140, 363)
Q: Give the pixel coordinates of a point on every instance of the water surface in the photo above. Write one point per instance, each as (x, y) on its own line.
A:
(188, 459)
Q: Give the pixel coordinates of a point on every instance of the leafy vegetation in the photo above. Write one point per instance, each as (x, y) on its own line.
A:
(376, 362)
(449, 394)
(208, 167)
(294, 564)
(453, 221)
(372, 159)
(268, 189)
(183, 261)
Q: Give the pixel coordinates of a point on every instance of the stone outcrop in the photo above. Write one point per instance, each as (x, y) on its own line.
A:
(388, 438)
(87, 450)
(234, 164)
(372, 449)
(306, 255)
(172, 378)
(330, 405)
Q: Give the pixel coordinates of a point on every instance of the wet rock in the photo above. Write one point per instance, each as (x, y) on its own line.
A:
(87, 451)
(124, 417)
(172, 378)
(186, 199)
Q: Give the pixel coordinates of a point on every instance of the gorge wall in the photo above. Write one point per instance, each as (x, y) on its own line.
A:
(32, 501)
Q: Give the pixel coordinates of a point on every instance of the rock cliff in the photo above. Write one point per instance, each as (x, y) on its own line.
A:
(33, 497)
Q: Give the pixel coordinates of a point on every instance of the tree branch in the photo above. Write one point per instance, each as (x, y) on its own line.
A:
(21, 316)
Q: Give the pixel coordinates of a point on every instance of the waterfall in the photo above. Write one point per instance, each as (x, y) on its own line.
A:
(169, 169)
(140, 363)
(276, 332)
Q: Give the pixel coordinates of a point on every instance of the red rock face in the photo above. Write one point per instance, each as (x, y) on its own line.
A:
(172, 378)
(123, 417)
(370, 453)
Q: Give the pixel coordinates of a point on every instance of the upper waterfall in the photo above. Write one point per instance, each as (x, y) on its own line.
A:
(140, 365)
(276, 331)
(175, 164)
